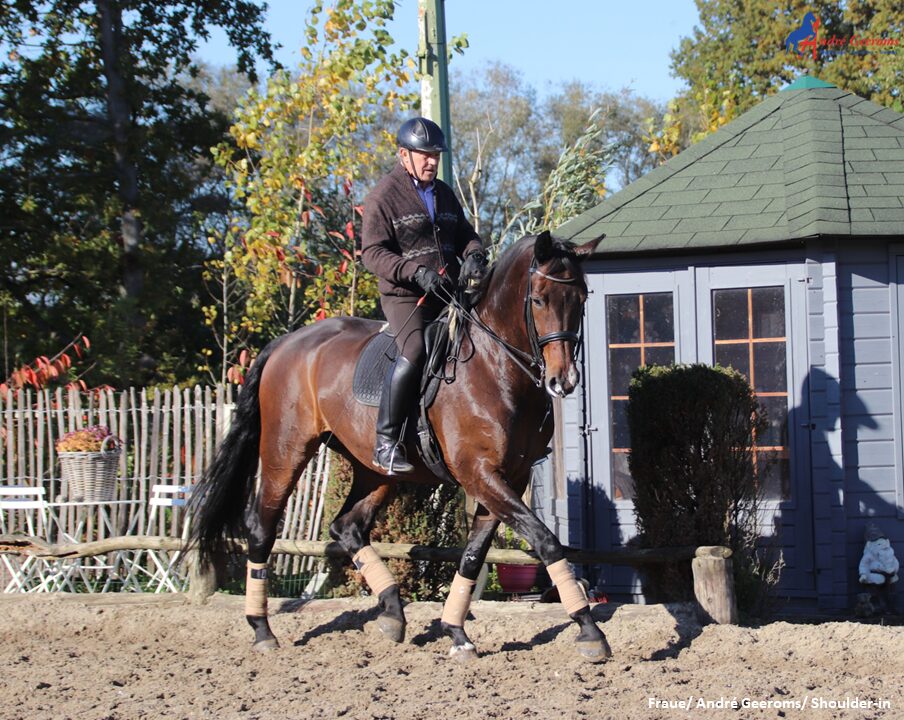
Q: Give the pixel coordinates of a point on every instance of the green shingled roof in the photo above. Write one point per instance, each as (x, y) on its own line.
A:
(810, 160)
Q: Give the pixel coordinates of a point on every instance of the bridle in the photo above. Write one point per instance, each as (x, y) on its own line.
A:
(536, 340)
(531, 363)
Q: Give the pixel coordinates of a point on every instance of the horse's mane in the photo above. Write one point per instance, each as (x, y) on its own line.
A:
(563, 252)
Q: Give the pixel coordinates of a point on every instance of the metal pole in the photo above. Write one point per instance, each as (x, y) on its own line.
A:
(434, 74)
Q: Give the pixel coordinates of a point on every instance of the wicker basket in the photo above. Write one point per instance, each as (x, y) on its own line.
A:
(91, 475)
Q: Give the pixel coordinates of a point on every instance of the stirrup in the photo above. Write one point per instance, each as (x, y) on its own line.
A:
(397, 462)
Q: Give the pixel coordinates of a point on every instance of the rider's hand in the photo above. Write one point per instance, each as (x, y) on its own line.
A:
(429, 280)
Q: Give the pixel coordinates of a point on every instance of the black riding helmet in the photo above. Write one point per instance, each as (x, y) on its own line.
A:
(421, 134)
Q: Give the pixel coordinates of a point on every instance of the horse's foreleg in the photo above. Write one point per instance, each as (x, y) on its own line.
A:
(459, 599)
(351, 529)
(509, 507)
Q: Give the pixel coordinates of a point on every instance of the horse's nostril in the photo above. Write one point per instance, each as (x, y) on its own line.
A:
(555, 388)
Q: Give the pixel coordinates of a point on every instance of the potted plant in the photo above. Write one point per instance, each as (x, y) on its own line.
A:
(514, 578)
(88, 460)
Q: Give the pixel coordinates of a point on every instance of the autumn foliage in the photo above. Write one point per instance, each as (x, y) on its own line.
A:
(57, 370)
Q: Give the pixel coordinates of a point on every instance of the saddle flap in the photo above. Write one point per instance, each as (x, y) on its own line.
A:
(372, 366)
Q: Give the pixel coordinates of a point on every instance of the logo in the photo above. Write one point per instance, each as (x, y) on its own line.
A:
(806, 34)
(806, 38)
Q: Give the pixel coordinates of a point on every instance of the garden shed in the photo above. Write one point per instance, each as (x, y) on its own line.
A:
(775, 246)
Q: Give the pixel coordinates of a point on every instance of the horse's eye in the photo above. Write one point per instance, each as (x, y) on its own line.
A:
(538, 302)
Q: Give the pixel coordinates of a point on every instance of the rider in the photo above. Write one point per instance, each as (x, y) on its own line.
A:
(413, 236)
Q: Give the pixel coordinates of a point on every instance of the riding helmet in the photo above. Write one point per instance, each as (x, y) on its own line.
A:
(421, 134)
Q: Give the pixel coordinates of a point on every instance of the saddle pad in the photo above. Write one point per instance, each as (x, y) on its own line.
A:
(379, 353)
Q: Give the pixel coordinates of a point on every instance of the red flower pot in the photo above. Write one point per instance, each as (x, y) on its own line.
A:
(516, 578)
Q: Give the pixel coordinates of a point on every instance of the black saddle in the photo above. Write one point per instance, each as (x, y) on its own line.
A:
(371, 368)
(381, 352)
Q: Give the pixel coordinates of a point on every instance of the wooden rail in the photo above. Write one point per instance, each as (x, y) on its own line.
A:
(711, 565)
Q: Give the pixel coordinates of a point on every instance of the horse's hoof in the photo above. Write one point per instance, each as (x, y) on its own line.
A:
(391, 627)
(595, 651)
(463, 653)
(263, 646)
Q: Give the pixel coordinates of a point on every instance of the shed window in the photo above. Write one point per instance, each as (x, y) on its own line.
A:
(749, 336)
(640, 330)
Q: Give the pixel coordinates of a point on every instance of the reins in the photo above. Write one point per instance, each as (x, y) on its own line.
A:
(531, 362)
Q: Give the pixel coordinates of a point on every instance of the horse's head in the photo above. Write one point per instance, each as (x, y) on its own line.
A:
(554, 304)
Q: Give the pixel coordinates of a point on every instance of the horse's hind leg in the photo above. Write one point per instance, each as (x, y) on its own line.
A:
(458, 601)
(351, 529)
(277, 482)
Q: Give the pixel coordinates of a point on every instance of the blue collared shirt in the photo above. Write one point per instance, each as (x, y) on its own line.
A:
(427, 197)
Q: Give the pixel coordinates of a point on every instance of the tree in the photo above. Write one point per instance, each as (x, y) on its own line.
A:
(102, 148)
(304, 143)
(622, 122)
(498, 132)
(576, 184)
(687, 121)
(508, 141)
(740, 47)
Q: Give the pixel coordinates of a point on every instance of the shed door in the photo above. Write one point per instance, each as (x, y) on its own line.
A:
(753, 318)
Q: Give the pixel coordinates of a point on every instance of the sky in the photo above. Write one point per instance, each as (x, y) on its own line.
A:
(611, 44)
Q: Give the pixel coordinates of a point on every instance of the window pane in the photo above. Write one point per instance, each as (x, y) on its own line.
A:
(768, 312)
(769, 367)
(658, 318)
(762, 312)
(734, 356)
(776, 435)
(623, 317)
(621, 437)
(622, 364)
(774, 474)
(622, 482)
(660, 356)
(730, 314)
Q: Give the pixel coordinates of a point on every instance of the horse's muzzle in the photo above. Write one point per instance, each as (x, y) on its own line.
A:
(563, 384)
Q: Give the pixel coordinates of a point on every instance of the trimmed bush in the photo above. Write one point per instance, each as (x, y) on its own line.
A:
(692, 428)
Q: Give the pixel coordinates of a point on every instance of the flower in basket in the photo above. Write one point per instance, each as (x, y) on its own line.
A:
(90, 439)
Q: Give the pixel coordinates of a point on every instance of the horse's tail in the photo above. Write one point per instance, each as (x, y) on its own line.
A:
(220, 498)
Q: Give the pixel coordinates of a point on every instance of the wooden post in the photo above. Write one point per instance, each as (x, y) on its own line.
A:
(714, 585)
(202, 579)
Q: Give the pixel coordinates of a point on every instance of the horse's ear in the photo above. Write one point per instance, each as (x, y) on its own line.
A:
(582, 251)
(543, 247)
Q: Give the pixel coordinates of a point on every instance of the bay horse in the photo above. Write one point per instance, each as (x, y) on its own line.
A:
(492, 424)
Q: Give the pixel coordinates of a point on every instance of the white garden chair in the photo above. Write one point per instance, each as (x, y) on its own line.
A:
(24, 507)
(160, 567)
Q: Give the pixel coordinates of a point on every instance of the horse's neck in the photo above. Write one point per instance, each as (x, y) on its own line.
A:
(502, 308)
(502, 311)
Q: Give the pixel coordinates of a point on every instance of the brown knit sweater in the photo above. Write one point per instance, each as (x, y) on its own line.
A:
(398, 237)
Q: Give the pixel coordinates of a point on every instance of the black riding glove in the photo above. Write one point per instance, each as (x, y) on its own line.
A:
(473, 270)
(429, 280)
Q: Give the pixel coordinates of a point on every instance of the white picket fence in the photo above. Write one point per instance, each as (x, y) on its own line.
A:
(169, 437)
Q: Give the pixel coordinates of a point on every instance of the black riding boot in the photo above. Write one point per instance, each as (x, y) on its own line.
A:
(399, 392)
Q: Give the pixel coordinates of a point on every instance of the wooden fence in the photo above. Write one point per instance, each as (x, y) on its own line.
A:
(169, 436)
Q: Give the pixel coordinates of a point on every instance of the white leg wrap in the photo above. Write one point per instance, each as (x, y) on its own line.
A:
(571, 592)
(459, 600)
(256, 589)
(376, 574)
